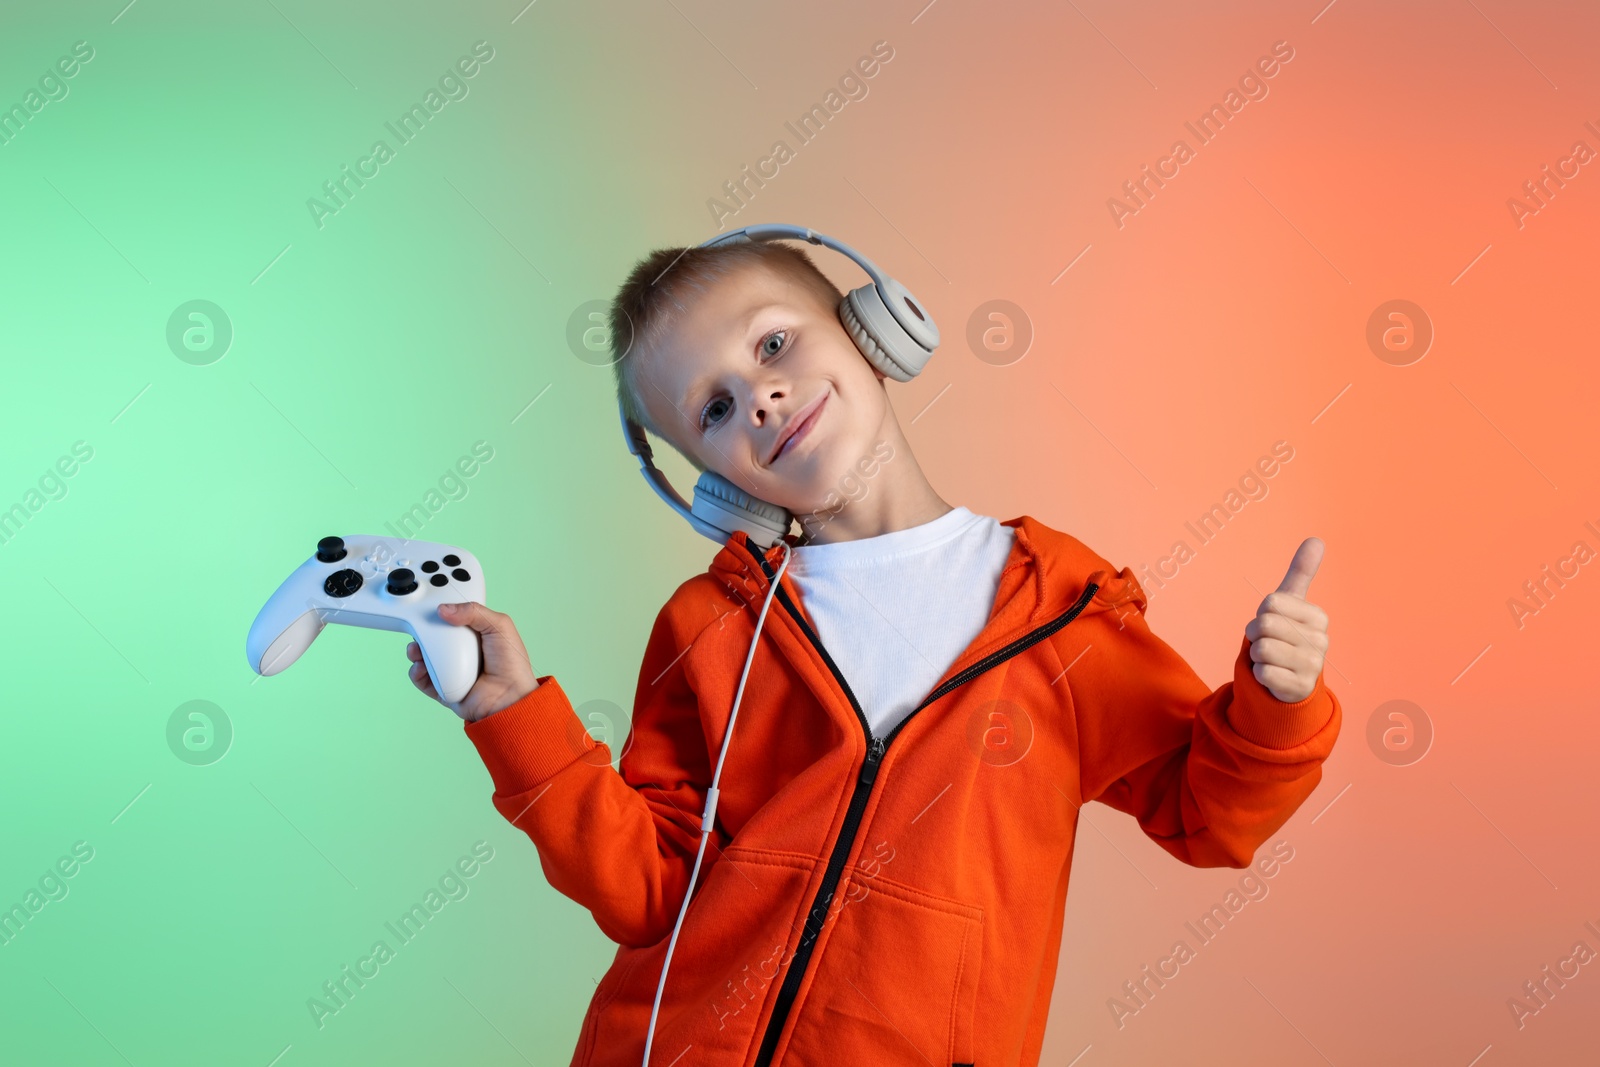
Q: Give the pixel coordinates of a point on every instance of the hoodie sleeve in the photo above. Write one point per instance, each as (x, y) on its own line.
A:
(619, 842)
(1209, 774)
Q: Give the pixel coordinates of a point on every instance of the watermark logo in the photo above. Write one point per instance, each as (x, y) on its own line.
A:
(199, 332)
(599, 722)
(1000, 732)
(1399, 332)
(589, 334)
(199, 733)
(1399, 733)
(999, 332)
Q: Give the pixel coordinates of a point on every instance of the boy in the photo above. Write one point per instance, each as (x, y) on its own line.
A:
(932, 698)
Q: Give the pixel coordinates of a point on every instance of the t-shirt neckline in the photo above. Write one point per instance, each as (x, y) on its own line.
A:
(895, 543)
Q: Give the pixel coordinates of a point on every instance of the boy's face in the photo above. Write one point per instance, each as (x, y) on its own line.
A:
(743, 365)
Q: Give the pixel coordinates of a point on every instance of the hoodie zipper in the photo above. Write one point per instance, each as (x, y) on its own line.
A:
(876, 747)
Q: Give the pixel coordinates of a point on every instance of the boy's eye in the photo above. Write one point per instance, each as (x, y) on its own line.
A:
(771, 345)
(707, 415)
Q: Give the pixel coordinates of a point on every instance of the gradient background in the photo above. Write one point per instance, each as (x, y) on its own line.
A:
(430, 313)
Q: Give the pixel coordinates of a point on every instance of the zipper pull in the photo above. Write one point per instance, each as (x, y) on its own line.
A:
(869, 769)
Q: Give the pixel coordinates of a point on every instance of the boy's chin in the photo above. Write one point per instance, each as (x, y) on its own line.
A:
(801, 484)
(810, 487)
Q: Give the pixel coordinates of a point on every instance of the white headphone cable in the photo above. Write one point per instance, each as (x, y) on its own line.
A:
(708, 818)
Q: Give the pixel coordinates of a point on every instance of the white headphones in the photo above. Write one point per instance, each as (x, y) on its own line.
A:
(886, 323)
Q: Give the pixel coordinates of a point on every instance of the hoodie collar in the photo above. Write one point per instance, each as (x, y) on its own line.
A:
(1044, 574)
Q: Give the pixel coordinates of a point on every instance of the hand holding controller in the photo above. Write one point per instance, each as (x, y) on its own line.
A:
(383, 583)
(507, 675)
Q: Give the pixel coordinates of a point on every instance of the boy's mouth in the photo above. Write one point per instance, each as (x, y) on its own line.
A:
(800, 424)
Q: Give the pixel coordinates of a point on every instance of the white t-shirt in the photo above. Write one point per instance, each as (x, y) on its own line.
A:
(894, 611)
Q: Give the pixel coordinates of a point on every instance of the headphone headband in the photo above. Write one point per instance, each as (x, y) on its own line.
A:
(896, 297)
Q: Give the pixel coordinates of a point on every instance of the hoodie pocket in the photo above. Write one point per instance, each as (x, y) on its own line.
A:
(730, 958)
(623, 962)
(897, 982)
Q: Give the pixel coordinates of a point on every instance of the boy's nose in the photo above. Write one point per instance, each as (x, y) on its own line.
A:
(762, 404)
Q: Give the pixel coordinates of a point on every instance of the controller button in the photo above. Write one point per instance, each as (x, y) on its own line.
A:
(342, 583)
(452, 561)
(402, 581)
(460, 575)
(330, 550)
(430, 566)
(439, 579)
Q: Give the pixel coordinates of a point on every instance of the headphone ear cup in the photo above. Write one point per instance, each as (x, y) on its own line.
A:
(727, 507)
(886, 343)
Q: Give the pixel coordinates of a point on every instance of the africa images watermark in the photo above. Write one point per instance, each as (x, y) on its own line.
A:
(853, 486)
(744, 989)
(453, 485)
(342, 988)
(1252, 486)
(1253, 84)
(52, 88)
(1538, 994)
(1537, 592)
(52, 486)
(811, 124)
(1541, 190)
(52, 887)
(1139, 992)
(452, 87)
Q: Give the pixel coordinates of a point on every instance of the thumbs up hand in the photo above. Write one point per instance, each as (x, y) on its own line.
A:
(1289, 635)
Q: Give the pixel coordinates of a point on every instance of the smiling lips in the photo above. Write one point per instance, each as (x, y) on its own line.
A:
(799, 426)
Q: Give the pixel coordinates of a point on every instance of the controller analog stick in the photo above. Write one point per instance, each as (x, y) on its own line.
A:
(402, 581)
(342, 583)
(330, 550)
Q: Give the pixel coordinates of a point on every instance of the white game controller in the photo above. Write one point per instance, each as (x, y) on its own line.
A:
(382, 583)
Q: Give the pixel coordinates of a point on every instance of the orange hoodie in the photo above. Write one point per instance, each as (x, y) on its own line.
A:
(895, 899)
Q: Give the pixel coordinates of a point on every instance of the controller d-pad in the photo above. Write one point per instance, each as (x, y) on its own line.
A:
(342, 583)
(452, 561)
(460, 575)
(430, 566)
(439, 579)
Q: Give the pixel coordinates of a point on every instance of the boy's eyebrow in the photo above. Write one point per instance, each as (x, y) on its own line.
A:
(744, 329)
